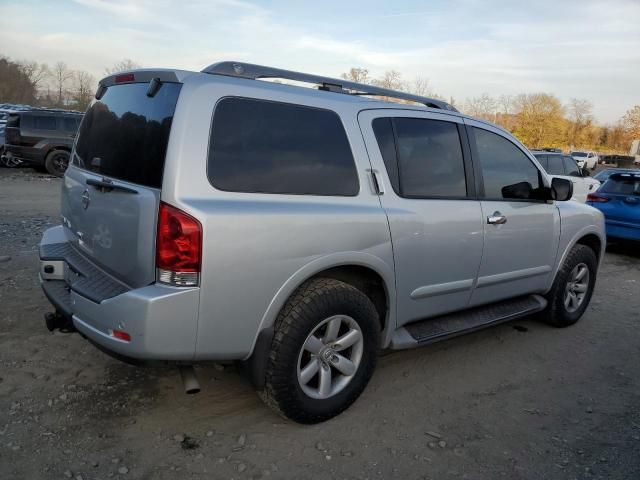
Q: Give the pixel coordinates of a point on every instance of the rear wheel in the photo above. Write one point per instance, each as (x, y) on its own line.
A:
(572, 288)
(57, 162)
(323, 353)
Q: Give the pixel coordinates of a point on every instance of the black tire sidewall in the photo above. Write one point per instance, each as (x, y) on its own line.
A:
(49, 162)
(558, 315)
(341, 299)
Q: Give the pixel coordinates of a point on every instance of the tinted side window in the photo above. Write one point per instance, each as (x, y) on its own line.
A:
(383, 130)
(430, 161)
(571, 167)
(270, 147)
(69, 124)
(44, 123)
(555, 165)
(507, 172)
(544, 161)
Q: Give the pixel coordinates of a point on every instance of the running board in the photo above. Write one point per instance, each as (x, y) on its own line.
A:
(458, 323)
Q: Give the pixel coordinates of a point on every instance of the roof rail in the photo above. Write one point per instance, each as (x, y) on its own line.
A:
(254, 72)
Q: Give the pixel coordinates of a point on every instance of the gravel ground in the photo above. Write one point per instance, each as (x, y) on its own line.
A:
(519, 401)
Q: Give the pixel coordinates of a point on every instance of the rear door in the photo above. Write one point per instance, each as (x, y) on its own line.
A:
(521, 230)
(111, 191)
(423, 165)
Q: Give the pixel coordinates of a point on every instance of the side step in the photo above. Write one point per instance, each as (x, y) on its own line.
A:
(459, 323)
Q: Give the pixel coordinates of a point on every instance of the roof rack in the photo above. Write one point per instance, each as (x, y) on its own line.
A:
(254, 72)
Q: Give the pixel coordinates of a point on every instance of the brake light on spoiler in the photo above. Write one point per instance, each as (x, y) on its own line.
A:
(178, 247)
(125, 77)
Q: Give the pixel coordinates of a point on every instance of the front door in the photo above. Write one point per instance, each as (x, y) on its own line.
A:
(423, 166)
(521, 229)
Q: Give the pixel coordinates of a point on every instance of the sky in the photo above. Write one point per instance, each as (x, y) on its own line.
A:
(570, 48)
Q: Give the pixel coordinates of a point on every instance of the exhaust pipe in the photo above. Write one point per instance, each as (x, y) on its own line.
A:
(189, 379)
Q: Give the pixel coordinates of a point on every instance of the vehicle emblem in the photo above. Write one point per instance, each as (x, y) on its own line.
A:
(86, 199)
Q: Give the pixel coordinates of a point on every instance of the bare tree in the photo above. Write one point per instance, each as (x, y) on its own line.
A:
(506, 104)
(61, 76)
(484, 106)
(391, 79)
(122, 66)
(84, 84)
(579, 111)
(421, 86)
(36, 72)
(357, 74)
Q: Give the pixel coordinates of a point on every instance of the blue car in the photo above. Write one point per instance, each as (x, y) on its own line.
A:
(619, 199)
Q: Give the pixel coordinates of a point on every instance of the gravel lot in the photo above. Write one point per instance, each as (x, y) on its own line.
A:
(519, 401)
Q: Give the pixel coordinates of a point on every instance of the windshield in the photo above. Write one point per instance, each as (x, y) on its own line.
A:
(578, 154)
(622, 184)
(124, 135)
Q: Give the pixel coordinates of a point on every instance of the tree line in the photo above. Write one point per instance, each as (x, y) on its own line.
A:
(538, 120)
(44, 85)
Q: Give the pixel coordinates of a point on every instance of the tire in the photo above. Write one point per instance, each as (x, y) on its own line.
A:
(57, 162)
(558, 313)
(311, 311)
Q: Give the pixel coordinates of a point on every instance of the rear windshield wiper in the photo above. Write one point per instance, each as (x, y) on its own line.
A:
(107, 185)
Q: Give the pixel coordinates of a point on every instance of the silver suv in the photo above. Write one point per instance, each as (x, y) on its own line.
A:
(213, 216)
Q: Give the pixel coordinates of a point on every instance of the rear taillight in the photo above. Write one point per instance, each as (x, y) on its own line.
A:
(178, 247)
(594, 197)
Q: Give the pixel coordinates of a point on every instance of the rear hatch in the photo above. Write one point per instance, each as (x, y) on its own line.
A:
(619, 198)
(111, 191)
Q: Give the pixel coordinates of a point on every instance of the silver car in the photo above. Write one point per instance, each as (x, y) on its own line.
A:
(213, 216)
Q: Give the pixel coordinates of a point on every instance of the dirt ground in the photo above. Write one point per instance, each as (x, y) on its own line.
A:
(519, 401)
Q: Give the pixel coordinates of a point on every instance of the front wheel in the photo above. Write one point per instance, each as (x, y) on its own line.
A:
(572, 288)
(323, 353)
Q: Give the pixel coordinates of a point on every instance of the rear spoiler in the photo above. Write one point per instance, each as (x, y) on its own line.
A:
(136, 76)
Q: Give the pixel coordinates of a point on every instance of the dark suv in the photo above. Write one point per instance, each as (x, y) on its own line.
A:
(42, 138)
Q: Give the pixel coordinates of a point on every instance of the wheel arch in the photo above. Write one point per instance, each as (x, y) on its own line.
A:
(366, 272)
(589, 236)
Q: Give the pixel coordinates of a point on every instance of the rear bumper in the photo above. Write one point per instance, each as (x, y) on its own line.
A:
(161, 320)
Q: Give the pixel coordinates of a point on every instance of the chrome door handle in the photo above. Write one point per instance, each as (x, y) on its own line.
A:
(496, 219)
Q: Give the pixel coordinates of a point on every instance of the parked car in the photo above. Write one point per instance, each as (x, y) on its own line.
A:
(619, 200)
(585, 159)
(42, 138)
(214, 217)
(564, 166)
(603, 175)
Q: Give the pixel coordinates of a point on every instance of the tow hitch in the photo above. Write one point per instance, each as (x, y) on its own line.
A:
(57, 321)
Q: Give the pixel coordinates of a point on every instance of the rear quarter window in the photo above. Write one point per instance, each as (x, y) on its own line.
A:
(260, 146)
(44, 123)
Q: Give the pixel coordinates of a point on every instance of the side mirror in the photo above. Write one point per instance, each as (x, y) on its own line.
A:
(585, 172)
(561, 189)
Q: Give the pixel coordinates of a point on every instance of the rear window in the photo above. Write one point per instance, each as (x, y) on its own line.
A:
(270, 147)
(622, 184)
(124, 135)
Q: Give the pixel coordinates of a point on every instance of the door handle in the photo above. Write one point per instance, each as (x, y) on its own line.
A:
(496, 219)
(378, 185)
